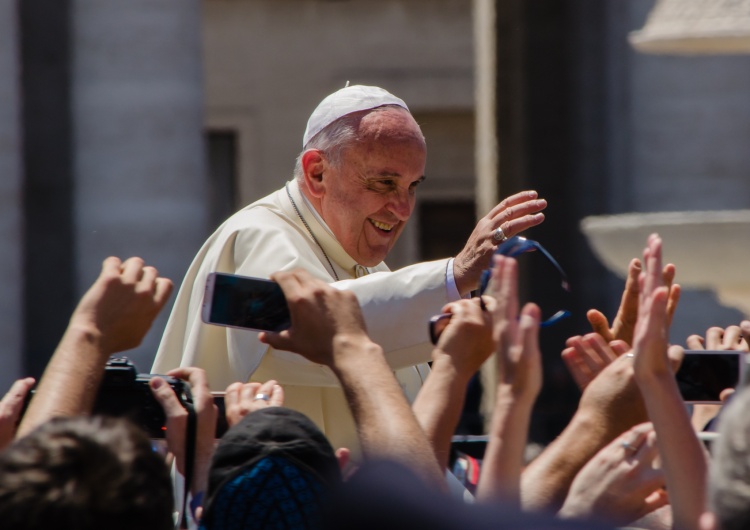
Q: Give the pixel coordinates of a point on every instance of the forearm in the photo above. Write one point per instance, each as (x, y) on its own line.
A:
(682, 455)
(546, 481)
(385, 423)
(438, 407)
(70, 381)
(503, 460)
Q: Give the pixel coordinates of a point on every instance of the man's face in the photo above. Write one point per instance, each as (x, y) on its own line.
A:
(371, 195)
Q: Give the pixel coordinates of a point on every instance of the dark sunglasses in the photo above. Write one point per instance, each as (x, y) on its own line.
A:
(511, 248)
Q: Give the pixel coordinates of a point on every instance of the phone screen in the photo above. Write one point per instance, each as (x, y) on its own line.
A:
(244, 302)
(703, 375)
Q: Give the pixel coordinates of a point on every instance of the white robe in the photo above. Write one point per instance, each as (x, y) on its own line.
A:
(268, 236)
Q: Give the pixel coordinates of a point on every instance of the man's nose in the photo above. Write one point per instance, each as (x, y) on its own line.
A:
(401, 205)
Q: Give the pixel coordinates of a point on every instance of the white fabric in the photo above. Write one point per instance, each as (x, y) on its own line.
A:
(349, 99)
(268, 236)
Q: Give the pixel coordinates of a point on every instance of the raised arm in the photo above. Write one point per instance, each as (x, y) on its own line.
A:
(113, 316)
(519, 382)
(610, 404)
(463, 346)
(328, 328)
(683, 458)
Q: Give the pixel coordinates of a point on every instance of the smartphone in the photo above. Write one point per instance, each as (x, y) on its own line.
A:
(245, 302)
(704, 374)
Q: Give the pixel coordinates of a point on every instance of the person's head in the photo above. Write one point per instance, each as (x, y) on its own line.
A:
(363, 157)
(274, 469)
(729, 484)
(84, 473)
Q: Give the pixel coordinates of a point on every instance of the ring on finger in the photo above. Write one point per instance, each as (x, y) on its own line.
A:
(261, 395)
(498, 234)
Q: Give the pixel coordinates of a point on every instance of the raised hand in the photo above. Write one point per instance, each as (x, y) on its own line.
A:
(121, 305)
(623, 324)
(465, 343)
(519, 382)
(651, 335)
(240, 399)
(518, 356)
(587, 356)
(319, 313)
(467, 340)
(683, 458)
(622, 483)
(513, 215)
(114, 315)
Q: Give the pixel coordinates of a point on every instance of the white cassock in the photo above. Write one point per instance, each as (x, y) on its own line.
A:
(269, 236)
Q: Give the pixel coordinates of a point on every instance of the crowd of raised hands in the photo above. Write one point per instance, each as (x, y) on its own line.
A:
(630, 456)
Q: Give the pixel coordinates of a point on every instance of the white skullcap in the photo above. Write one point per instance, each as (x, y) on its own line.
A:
(345, 101)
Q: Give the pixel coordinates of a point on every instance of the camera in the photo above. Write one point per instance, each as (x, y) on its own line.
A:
(125, 393)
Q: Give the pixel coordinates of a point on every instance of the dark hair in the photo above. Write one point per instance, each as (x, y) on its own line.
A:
(84, 473)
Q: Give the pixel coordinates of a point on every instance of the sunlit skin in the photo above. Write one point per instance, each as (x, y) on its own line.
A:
(368, 199)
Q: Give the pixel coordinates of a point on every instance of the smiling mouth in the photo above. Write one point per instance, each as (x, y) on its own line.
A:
(381, 226)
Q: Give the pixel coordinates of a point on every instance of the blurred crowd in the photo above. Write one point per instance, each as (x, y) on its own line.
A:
(633, 455)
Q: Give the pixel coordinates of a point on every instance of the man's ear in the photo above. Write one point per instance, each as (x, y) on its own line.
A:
(314, 165)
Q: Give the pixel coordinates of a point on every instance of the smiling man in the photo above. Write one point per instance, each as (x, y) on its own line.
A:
(353, 191)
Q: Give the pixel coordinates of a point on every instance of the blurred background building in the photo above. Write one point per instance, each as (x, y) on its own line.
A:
(135, 128)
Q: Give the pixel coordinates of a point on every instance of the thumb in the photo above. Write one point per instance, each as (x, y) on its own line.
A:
(675, 354)
(166, 397)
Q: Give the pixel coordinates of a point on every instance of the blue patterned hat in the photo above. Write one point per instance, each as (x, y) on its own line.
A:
(274, 469)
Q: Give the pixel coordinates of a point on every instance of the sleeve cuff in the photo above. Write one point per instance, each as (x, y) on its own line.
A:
(450, 282)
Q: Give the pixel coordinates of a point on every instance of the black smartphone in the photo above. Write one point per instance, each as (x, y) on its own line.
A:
(704, 374)
(245, 302)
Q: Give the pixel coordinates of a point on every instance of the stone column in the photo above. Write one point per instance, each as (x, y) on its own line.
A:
(11, 199)
(139, 144)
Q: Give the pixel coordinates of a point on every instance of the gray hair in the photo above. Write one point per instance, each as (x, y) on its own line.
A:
(335, 138)
(729, 486)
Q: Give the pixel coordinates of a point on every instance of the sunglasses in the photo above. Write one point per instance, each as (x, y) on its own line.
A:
(514, 246)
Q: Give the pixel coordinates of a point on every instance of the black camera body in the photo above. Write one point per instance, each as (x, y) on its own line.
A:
(125, 393)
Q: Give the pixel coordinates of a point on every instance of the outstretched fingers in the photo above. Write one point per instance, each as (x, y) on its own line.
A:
(517, 213)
